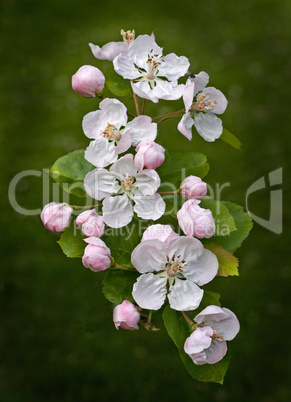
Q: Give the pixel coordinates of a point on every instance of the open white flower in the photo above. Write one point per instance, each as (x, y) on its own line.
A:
(154, 76)
(112, 134)
(202, 112)
(181, 265)
(125, 191)
(113, 49)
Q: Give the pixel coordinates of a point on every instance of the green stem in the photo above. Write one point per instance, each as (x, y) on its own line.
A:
(85, 206)
(189, 321)
(169, 114)
(150, 317)
(170, 192)
(135, 101)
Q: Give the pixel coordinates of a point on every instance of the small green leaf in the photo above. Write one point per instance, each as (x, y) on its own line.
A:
(243, 223)
(224, 222)
(183, 164)
(70, 170)
(117, 285)
(116, 84)
(230, 139)
(72, 242)
(228, 263)
(178, 330)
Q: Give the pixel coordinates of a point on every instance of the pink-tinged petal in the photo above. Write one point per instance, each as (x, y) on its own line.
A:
(193, 187)
(199, 340)
(124, 166)
(149, 154)
(174, 67)
(211, 313)
(56, 217)
(126, 316)
(208, 125)
(149, 291)
(147, 182)
(95, 241)
(200, 80)
(124, 144)
(185, 125)
(96, 255)
(185, 295)
(215, 96)
(203, 269)
(139, 161)
(216, 351)
(108, 51)
(101, 152)
(116, 112)
(88, 81)
(149, 256)
(189, 248)
(163, 233)
(141, 128)
(188, 93)
(117, 211)
(99, 183)
(149, 206)
(94, 123)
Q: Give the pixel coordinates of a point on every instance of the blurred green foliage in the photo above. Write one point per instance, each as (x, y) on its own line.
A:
(58, 339)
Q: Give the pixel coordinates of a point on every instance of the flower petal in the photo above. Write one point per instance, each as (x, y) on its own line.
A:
(203, 269)
(149, 291)
(200, 80)
(149, 256)
(149, 206)
(208, 125)
(188, 93)
(185, 125)
(199, 340)
(124, 144)
(101, 152)
(147, 181)
(174, 67)
(216, 352)
(117, 211)
(99, 183)
(94, 123)
(124, 166)
(116, 112)
(108, 51)
(213, 94)
(141, 128)
(184, 295)
(189, 248)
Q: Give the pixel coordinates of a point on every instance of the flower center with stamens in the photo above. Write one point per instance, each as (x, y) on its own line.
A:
(127, 183)
(111, 133)
(215, 336)
(175, 266)
(153, 65)
(128, 36)
(203, 104)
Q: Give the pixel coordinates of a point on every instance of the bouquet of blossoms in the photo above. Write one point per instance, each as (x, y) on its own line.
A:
(148, 222)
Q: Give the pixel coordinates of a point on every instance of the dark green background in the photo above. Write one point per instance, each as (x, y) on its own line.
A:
(58, 339)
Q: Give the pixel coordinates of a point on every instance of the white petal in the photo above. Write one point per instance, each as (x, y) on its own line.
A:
(116, 112)
(124, 166)
(213, 94)
(149, 206)
(100, 184)
(168, 90)
(208, 125)
(189, 248)
(216, 351)
(185, 125)
(101, 152)
(200, 80)
(203, 269)
(199, 340)
(149, 256)
(188, 93)
(108, 51)
(147, 181)
(185, 295)
(143, 90)
(174, 67)
(94, 123)
(124, 144)
(141, 128)
(141, 48)
(117, 211)
(124, 66)
(149, 291)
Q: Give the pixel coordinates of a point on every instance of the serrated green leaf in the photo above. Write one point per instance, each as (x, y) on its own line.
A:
(179, 331)
(243, 223)
(72, 243)
(183, 164)
(70, 170)
(228, 263)
(230, 139)
(116, 84)
(117, 285)
(224, 222)
(122, 241)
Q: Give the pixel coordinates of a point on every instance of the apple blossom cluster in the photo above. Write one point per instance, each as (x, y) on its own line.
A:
(123, 169)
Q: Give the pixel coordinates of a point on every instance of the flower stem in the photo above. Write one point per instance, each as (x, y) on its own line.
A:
(189, 321)
(130, 114)
(170, 192)
(135, 102)
(84, 206)
(169, 114)
(143, 106)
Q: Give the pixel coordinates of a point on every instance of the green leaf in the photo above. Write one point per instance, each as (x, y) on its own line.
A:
(70, 170)
(243, 223)
(122, 241)
(117, 285)
(224, 221)
(179, 331)
(72, 242)
(116, 84)
(230, 139)
(183, 164)
(228, 263)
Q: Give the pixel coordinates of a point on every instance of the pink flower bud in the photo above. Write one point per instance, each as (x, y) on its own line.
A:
(96, 255)
(126, 316)
(163, 233)
(56, 217)
(88, 80)
(193, 187)
(149, 155)
(196, 221)
(92, 223)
